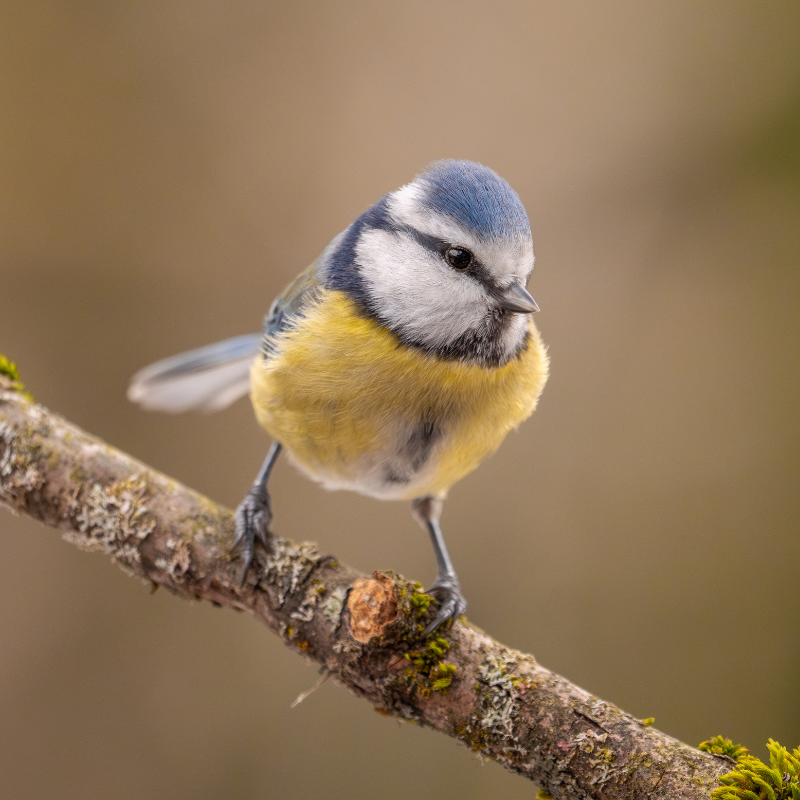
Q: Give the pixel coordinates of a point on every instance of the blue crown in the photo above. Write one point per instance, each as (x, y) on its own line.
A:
(476, 197)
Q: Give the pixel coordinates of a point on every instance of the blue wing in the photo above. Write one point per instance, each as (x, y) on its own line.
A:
(290, 303)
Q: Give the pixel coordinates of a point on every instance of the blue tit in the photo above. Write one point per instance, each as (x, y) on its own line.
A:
(395, 363)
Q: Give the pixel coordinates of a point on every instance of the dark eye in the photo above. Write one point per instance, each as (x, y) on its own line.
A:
(458, 258)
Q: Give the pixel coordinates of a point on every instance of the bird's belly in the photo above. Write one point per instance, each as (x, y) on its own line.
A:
(393, 463)
(356, 409)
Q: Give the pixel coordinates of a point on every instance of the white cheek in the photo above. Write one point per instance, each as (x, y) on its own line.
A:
(415, 292)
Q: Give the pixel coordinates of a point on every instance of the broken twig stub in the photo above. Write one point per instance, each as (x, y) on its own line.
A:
(372, 603)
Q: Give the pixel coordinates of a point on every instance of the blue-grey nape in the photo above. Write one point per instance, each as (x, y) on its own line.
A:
(476, 197)
(340, 269)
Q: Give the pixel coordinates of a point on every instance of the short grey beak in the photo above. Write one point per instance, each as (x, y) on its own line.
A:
(517, 298)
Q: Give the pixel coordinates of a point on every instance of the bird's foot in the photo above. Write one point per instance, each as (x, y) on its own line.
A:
(451, 602)
(251, 522)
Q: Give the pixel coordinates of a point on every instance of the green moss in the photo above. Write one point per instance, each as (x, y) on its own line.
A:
(752, 779)
(434, 674)
(8, 369)
(720, 746)
(420, 600)
(543, 794)
(445, 673)
(414, 605)
(648, 721)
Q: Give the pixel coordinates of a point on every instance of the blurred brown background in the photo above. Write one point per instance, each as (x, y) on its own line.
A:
(165, 168)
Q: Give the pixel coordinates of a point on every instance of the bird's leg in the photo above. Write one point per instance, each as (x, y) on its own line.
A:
(254, 513)
(446, 590)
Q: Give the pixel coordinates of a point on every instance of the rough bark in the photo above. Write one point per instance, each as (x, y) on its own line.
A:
(366, 631)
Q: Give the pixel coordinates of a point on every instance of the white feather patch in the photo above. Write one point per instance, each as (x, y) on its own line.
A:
(418, 294)
(209, 378)
(210, 390)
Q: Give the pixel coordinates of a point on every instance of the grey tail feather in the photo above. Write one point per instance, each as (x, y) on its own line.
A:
(208, 379)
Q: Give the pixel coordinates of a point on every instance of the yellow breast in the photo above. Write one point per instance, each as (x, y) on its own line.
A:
(346, 399)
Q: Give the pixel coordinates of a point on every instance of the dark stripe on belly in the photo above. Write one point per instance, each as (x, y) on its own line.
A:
(422, 440)
(415, 452)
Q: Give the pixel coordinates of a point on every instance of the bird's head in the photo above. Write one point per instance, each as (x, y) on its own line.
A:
(443, 262)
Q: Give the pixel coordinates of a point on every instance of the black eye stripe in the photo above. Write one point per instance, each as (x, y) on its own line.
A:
(434, 244)
(474, 269)
(425, 239)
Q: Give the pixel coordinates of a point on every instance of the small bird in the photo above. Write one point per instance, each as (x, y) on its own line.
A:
(394, 364)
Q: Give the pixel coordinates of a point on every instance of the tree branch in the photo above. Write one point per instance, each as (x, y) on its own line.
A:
(366, 631)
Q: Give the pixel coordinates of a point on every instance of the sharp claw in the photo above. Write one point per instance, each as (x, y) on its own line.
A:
(247, 557)
(452, 603)
(240, 529)
(434, 625)
(262, 532)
